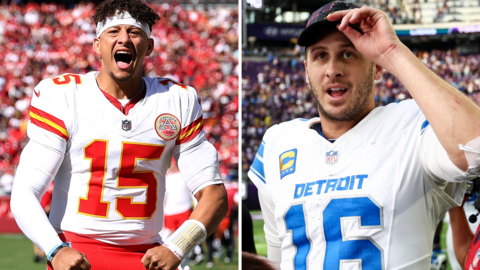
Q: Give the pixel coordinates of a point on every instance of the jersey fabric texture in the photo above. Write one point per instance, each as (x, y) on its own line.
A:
(370, 200)
(111, 183)
(177, 205)
(177, 196)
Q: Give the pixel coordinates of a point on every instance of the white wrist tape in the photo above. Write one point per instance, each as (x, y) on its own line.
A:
(190, 234)
(472, 153)
(119, 19)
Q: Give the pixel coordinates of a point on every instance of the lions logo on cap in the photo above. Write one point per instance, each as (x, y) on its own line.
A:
(167, 126)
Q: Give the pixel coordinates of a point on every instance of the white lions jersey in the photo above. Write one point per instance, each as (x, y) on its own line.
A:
(111, 183)
(370, 200)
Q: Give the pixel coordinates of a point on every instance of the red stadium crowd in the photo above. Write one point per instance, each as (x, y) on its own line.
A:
(195, 47)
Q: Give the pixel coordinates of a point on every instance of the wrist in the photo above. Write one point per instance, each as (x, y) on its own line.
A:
(394, 57)
(185, 238)
(56, 249)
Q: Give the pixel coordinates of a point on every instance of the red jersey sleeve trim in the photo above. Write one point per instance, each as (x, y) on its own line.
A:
(189, 132)
(48, 122)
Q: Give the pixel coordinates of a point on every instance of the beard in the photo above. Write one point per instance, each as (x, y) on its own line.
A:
(358, 104)
(121, 79)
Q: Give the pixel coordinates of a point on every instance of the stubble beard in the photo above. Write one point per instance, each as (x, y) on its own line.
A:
(360, 101)
(121, 79)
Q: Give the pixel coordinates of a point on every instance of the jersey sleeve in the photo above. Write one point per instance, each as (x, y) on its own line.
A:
(274, 245)
(33, 177)
(440, 172)
(270, 228)
(435, 159)
(257, 169)
(47, 125)
(197, 158)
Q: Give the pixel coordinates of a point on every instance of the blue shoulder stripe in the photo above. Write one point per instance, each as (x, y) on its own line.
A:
(257, 165)
(260, 149)
(424, 125)
(258, 175)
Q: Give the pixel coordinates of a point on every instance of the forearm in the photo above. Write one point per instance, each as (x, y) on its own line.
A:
(34, 175)
(455, 119)
(32, 220)
(212, 207)
(462, 235)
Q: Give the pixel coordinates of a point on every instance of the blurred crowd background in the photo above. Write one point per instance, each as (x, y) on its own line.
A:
(194, 45)
(424, 11)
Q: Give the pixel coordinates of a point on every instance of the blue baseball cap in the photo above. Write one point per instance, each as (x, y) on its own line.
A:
(318, 21)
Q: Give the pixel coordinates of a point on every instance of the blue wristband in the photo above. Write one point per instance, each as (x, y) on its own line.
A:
(55, 249)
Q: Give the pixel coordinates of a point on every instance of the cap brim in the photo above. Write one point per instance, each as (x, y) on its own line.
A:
(311, 34)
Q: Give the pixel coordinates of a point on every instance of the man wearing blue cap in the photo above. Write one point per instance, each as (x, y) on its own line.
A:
(364, 187)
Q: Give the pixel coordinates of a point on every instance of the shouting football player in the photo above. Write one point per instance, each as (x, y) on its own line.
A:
(107, 138)
(364, 187)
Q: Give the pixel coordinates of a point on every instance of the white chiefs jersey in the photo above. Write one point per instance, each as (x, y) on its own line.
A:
(370, 200)
(111, 183)
(177, 196)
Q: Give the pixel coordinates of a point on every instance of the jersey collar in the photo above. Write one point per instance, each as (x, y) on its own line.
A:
(318, 127)
(125, 109)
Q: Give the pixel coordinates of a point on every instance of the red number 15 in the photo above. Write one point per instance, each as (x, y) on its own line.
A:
(93, 204)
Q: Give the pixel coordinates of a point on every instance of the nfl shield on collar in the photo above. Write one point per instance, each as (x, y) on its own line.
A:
(331, 157)
(126, 125)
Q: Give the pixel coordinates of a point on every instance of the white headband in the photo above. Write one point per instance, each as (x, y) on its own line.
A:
(119, 19)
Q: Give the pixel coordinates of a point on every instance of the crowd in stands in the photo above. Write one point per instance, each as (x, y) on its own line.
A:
(399, 12)
(411, 11)
(276, 91)
(197, 47)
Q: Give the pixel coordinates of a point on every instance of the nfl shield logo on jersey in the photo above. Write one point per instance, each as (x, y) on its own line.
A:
(126, 125)
(167, 126)
(332, 157)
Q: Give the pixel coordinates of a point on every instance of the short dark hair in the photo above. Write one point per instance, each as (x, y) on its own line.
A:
(138, 9)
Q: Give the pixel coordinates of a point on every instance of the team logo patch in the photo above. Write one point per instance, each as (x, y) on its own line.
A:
(288, 161)
(126, 125)
(331, 157)
(167, 126)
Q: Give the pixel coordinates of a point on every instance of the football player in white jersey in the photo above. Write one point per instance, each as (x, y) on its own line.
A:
(108, 139)
(363, 187)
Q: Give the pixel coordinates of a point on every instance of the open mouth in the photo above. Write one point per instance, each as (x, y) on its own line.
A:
(123, 59)
(337, 92)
